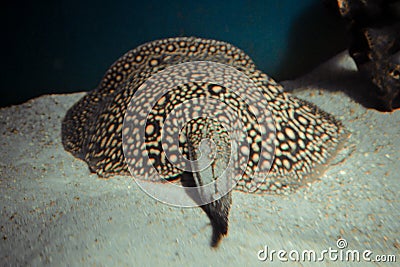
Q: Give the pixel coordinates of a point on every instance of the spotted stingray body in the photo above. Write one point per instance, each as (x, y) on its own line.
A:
(306, 136)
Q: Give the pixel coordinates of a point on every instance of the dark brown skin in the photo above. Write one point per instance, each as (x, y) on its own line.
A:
(217, 211)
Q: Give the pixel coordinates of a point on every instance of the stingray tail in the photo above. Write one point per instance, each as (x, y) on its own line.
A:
(218, 212)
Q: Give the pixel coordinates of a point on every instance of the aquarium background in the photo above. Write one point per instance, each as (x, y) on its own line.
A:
(66, 46)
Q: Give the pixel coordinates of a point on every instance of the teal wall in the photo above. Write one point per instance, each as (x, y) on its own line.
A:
(66, 46)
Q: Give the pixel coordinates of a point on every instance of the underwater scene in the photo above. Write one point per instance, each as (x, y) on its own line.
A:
(169, 133)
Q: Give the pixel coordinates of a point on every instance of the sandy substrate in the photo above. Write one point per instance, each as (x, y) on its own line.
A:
(55, 212)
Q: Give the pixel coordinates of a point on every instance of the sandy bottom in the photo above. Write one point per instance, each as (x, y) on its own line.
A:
(55, 212)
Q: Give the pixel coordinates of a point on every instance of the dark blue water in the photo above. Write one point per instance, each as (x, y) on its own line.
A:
(66, 46)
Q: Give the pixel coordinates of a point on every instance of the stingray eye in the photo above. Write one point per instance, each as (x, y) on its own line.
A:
(395, 73)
